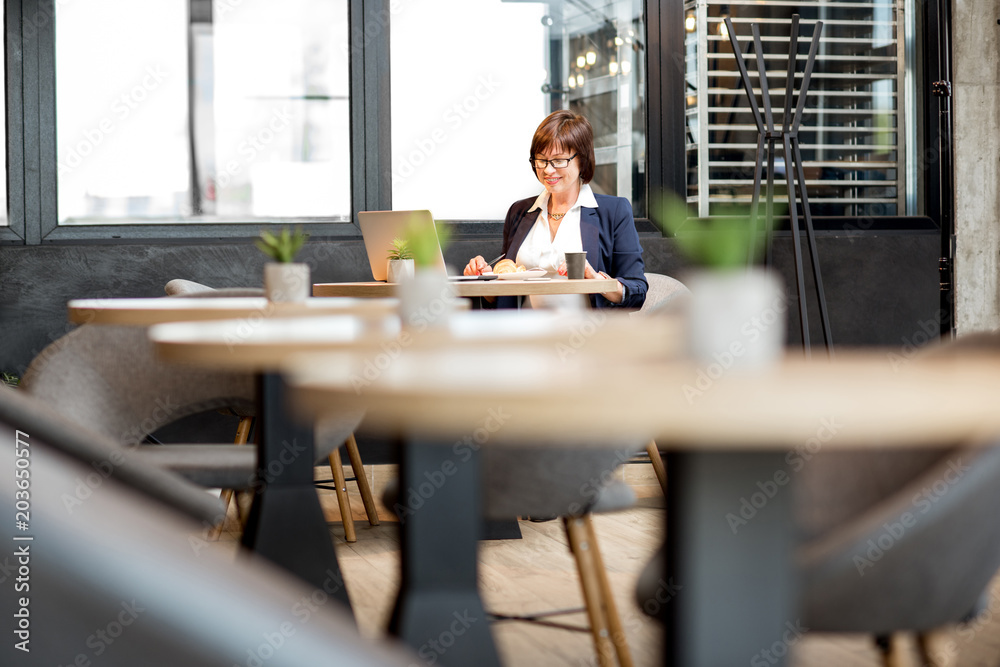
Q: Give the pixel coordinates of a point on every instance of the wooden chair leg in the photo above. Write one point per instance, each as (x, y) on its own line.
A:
(888, 646)
(924, 650)
(337, 468)
(242, 435)
(658, 467)
(582, 547)
(362, 481)
(610, 608)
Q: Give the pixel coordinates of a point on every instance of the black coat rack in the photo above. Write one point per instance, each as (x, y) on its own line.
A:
(788, 135)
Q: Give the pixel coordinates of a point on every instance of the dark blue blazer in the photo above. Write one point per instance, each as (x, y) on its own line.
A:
(609, 237)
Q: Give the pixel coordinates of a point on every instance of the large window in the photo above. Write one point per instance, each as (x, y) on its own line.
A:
(854, 135)
(471, 82)
(220, 112)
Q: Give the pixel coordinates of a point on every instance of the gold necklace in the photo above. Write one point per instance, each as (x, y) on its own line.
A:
(557, 216)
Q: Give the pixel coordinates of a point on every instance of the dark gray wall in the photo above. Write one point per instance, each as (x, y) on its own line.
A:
(881, 286)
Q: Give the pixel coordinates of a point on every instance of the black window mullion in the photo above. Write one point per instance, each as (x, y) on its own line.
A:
(34, 22)
(48, 154)
(14, 231)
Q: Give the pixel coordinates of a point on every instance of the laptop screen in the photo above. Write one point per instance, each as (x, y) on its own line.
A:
(380, 228)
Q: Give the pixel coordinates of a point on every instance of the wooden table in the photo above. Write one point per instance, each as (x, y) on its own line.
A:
(375, 343)
(146, 312)
(474, 288)
(286, 523)
(727, 431)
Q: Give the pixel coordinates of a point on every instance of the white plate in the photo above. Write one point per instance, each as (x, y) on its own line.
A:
(522, 275)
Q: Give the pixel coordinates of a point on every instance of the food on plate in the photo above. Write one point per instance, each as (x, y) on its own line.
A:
(508, 266)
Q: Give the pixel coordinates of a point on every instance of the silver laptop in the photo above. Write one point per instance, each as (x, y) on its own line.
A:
(380, 228)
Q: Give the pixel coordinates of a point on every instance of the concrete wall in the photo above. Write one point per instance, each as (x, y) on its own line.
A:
(976, 108)
(881, 286)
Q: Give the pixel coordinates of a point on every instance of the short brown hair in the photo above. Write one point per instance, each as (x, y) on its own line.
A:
(572, 132)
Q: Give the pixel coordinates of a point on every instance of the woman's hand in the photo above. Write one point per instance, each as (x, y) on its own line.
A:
(589, 273)
(476, 267)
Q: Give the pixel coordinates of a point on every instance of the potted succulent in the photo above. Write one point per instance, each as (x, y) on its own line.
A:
(426, 297)
(399, 262)
(284, 279)
(737, 310)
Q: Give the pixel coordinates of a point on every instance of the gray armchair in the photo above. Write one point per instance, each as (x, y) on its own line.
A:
(120, 577)
(108, 380)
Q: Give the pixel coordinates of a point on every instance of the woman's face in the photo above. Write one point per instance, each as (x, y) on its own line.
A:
(559, 181)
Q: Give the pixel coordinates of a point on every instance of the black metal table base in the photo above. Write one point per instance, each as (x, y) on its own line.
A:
(439, 612)
(728, 594)
(286, 523)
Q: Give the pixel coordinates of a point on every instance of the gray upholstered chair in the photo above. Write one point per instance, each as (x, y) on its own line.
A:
(664, 294)
(328, 432)
(108, 380)
(189, 288)
(120, 572)
(571, 485)
(912, 559)
(893, 540)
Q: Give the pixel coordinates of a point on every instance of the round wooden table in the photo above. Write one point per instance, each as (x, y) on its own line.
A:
(376, 341)
(264, 346)
(146, 312)
(727, 431)
(474, 288)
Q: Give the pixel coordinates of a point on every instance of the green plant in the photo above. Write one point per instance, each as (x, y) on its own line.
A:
(400, 250)
(9, 379)
(423, 241)
(727, 240)
(281, 247)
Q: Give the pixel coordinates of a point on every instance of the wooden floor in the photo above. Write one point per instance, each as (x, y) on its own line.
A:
(537, 573)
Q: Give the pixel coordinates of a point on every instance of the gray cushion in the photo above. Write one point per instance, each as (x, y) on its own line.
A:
(664, 294)
(189, 288)
(121, 561)
(914, 561)
(103, 457)
(218, 466)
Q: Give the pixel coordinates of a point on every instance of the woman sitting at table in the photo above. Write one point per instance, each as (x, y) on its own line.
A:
(568, 217)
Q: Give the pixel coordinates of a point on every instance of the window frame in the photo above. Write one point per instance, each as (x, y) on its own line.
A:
(31, 149)
(31, 125)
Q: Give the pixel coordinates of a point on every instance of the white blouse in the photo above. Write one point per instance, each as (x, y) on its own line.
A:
(540, 250)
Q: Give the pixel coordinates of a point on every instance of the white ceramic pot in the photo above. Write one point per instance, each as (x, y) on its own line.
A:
(425, 300)
(398, 270)
(287, 282)
(736, 318)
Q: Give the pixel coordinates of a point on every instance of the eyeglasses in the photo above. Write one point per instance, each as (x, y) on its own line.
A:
(558, 163)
